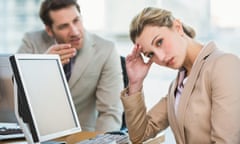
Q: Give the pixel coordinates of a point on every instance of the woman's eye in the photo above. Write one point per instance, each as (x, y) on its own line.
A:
(147, 56)
(159, 42)
(150, 55)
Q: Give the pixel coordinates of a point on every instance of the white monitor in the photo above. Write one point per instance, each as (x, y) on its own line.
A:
(44, 106)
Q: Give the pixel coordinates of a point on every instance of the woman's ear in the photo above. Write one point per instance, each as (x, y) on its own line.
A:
(49, 31)
(178, 26)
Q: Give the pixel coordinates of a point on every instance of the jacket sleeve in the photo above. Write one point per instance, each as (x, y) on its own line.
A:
(26, 45)
(35, 42)
(110, 84)
(141, 124)
(225, 100)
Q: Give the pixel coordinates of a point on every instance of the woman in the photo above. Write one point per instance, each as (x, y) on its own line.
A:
(202, 104)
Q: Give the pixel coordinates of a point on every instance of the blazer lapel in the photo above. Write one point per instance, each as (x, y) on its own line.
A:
(189, 86)
(172, 114)
(83, 57)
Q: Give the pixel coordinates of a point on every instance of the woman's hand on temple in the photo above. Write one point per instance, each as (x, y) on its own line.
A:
(137, 69)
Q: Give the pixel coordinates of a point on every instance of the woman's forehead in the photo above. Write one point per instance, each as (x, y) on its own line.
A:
(151, 32)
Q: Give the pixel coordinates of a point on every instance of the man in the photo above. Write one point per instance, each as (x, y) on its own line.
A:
(96, 76)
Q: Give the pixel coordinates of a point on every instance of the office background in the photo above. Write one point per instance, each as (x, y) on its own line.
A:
(216, 20)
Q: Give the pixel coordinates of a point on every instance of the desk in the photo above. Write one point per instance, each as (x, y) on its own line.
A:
(71, 139)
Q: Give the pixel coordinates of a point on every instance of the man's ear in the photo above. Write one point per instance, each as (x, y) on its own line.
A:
(49, 31)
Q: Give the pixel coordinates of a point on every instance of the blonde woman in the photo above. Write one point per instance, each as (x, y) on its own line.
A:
(202, 104)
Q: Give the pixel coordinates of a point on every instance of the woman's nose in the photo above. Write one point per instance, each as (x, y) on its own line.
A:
(161, 56)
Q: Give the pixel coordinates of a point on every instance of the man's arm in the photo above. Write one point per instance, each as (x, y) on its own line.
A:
(108, 94)
(40, 42)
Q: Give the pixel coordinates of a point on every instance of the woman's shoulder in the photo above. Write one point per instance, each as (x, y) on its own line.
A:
(219, 56)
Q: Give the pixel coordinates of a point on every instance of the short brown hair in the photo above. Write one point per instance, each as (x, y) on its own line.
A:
(51, 5)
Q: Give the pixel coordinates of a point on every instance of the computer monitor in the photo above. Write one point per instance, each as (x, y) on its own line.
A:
(44, 106)
(6, 90)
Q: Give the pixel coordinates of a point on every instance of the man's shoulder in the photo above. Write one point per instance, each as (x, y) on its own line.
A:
(36, 33)
(100, 39)
(38, 40)
(39, 34)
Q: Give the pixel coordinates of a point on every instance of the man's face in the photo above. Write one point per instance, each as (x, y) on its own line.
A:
(67, 26)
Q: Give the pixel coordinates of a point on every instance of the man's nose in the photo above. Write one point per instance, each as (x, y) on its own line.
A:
(74, 30)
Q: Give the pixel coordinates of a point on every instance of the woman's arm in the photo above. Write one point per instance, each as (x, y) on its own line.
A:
(225, 86)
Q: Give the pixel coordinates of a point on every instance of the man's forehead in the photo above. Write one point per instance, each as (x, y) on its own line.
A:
(64, 15)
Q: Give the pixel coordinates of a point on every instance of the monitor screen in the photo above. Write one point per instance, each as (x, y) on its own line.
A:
(44, 101)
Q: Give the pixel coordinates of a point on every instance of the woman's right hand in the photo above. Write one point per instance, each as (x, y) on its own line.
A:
(137, 69)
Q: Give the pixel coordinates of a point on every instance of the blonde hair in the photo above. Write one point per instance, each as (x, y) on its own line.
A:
(154, 17)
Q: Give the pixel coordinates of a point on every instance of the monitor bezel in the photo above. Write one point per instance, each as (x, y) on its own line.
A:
(21, 90)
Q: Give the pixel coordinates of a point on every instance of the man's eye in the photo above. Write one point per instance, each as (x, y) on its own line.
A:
(61, 27)
(77, 20)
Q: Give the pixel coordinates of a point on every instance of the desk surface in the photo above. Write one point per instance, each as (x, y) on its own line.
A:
(71, 139)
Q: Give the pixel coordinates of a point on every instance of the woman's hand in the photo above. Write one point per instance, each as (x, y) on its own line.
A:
(137, 69)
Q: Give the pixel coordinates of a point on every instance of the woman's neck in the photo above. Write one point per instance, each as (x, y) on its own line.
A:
(193, 50)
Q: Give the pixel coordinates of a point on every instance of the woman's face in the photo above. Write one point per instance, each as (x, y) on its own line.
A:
(164, 46)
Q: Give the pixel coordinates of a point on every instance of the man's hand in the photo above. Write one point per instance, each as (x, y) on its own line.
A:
(65, 51)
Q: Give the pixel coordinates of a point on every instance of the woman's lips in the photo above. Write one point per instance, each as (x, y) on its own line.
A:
(170, 62)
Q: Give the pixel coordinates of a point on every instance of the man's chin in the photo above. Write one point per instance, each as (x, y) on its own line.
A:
(77, 46)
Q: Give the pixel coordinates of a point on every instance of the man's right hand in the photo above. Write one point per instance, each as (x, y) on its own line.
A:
(65, 51)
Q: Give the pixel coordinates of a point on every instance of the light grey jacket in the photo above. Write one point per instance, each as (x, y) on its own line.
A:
(208, 110)
(96, 79)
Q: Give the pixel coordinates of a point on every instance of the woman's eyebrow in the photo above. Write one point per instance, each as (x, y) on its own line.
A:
(154, 39)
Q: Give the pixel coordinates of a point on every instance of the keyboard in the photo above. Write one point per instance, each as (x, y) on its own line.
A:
(10, 131)
(107, 139)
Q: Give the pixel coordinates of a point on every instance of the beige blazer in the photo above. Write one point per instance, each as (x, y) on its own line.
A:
(95, 83)
(209, 107)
